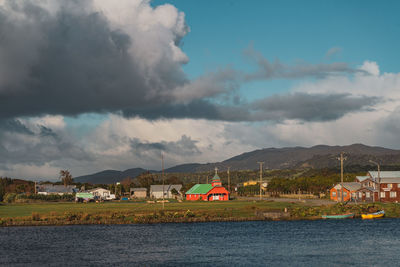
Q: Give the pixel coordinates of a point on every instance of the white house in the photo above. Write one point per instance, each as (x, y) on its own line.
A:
(156, 191)
(102, 193)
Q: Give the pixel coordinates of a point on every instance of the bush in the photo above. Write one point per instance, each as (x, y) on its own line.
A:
(35, 216)
(10, 197)
(65, 197)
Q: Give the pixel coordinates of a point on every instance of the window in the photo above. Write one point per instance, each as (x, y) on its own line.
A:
(389, 185)
(393, 194)
(334, 193)
(359, 194)
(368, 194)
(382, 194)
(345, 194)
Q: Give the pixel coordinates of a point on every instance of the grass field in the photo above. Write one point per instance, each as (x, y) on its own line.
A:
(238, 207)
(135, 212)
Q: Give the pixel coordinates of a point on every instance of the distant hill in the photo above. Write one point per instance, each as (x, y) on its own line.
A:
(110, 176)
(320, 156)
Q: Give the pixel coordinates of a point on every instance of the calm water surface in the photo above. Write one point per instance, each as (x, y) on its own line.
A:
(298, 243)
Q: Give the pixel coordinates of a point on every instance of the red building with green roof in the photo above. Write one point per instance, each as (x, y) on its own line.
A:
(208, 192)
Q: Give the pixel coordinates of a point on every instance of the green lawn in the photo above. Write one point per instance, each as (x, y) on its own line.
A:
(237, 207)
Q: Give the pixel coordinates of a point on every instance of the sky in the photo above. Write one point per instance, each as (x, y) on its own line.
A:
(90, 85)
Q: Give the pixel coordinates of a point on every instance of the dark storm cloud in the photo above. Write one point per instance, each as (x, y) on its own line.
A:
(14, 126)
(183, 147)
(311, 107)
(71, 63)
(300, 106)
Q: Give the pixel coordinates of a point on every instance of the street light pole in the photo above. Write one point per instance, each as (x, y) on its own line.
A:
(229, 180)
(379, 179)
(341, 174)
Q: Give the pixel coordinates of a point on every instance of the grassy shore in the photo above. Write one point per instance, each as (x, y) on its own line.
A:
(134, 212)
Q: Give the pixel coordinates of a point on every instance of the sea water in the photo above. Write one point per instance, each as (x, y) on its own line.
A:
(261, 243)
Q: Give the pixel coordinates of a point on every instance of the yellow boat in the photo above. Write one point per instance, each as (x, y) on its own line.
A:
(374, 215)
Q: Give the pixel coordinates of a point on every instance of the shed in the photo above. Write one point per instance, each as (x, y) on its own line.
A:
(139, 192)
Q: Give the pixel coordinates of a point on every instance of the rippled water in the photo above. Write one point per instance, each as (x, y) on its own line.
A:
(304, 243)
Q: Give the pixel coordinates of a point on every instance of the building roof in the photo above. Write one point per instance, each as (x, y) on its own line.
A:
(167, 187)
(200, 189)
(362, 178)
(138, 189)
(368, 188)
(390, 180)
(384, 174)
(50, 188)
(97, 188)
(351, 186)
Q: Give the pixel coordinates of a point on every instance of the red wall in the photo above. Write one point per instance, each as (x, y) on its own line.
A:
(335, 198)
(215, 190)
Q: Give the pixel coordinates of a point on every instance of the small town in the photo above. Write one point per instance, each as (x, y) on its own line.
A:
(205, 133)
(359, 197)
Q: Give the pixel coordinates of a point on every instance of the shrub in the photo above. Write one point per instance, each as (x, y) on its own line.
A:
(189, 214)
(65, 197)
(10, 197)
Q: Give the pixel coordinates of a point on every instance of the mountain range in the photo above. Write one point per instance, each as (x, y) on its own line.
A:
(320, 156)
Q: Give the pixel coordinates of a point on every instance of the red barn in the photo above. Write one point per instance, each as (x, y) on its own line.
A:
(208, 192)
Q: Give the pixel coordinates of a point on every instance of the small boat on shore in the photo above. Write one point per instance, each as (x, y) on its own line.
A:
(338, 216)
(378, 214)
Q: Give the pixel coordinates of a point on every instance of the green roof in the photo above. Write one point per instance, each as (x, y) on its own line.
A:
(200, 189)
(84, 195)
(216, 177)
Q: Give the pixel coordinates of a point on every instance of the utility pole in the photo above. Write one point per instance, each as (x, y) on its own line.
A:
(379, 179)
(261, 163)
(229, 180)
(341, 173)
(162, 163)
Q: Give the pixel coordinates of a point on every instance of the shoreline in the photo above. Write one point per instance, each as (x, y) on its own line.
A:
(59, 214)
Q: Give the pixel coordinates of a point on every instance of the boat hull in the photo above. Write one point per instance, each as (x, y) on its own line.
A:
(339, 216)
